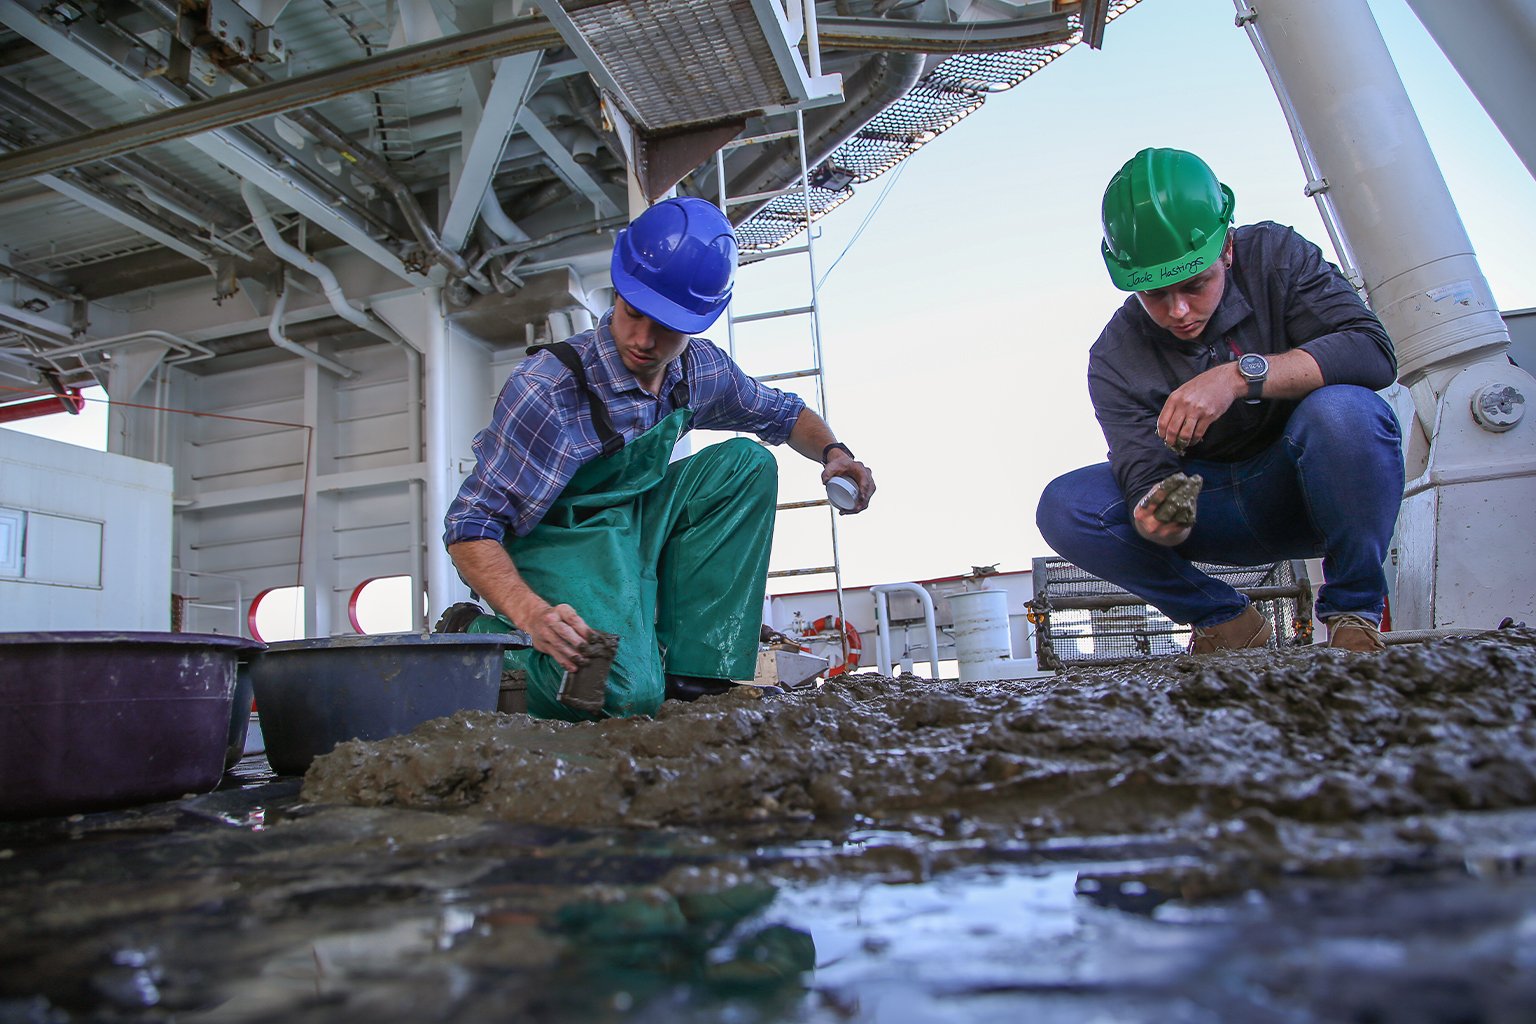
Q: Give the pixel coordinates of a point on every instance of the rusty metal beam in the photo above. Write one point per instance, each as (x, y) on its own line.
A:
(521, 36)
(1095, 15)
(895, 36)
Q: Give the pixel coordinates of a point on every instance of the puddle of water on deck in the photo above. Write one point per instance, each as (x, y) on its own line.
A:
(183, 911)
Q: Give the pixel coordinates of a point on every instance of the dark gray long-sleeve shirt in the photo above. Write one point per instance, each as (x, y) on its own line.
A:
(1281, 294)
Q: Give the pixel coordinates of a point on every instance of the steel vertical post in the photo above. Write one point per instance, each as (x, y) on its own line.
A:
(1463, 551)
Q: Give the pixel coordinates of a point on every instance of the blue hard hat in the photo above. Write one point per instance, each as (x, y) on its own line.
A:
(676, 263)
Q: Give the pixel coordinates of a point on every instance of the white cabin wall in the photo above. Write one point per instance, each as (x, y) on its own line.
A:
(233, 554)
(256, 436)
(285, 472)
(98, 538)
(291, 448)
(370, 536)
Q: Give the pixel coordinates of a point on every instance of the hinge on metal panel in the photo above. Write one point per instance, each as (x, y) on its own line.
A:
(64, 12)
(1245, 17)
(1314, 187)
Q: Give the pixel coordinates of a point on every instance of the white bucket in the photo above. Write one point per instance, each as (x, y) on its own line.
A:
(982, 645)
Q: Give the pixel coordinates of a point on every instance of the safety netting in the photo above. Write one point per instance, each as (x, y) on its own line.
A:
(942, 98)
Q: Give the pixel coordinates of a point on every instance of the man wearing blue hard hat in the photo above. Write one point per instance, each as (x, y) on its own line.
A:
(575, 520)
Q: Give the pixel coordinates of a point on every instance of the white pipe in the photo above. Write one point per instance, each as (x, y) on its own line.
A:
(1331, 63)
(883, 624)
(813, 53)
(1489, 43)
(418, 540)
(418, 507)
(296, 257)
(882, 635)
(1424, 282)
(1317, 185)
(558, 325)
(443, 583)
(282, 341)
(495, 217)
(190, 349)
(154, 418)
(730, 307)
(416, 396)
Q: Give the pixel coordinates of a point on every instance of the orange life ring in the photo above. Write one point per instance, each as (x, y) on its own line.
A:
(829, 624)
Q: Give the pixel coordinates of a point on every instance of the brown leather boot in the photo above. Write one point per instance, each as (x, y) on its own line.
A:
(1348, 632)
(1250, 629)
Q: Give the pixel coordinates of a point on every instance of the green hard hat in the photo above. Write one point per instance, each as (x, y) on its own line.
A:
(1165, 219)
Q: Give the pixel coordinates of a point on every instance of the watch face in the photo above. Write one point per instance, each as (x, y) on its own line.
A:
(1253, 365)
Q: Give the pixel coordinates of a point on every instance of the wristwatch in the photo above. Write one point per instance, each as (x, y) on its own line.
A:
(1254, 369)
(827, 451)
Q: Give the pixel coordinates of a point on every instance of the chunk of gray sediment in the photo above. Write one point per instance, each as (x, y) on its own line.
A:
(587, 687)
(1180, 493)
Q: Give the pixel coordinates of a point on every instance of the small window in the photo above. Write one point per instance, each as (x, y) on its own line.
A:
(13, 536)
(277, 614)
(382, 605)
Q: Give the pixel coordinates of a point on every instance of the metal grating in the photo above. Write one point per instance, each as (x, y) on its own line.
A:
(1081, 620)
(40, 237)
(684, 62)
(943, 98)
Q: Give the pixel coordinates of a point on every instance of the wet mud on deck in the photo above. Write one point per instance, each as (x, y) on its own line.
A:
(1307, 835)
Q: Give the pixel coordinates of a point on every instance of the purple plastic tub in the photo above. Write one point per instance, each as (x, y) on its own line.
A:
(94, 720)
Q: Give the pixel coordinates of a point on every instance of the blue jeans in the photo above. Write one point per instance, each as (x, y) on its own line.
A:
(1329, 486)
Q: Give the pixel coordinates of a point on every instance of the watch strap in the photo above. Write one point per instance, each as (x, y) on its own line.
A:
(1255, 384)
(827, 451)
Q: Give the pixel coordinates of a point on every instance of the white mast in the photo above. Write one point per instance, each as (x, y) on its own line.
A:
(1465, 551)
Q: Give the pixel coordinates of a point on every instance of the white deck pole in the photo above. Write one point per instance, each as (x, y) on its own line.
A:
(1464, 554)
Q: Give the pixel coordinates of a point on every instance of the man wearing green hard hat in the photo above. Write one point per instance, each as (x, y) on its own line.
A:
(1236, 389)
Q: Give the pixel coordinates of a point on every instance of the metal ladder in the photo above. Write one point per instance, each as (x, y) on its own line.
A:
(801, 190)
(391, 121)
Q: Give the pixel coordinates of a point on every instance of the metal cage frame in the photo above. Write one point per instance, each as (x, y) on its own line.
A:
(1081, 620)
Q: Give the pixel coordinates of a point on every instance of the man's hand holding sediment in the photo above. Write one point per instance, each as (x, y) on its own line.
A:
(555, 629)
(1170, 534)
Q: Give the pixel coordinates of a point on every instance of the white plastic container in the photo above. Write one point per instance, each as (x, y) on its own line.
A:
(982, 646)
(843, 495)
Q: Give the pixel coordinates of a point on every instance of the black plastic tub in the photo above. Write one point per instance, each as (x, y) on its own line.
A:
(95, 720)
(314, 694)
(239, 715)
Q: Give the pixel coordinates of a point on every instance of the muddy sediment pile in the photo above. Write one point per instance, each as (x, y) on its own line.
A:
(1310, 735)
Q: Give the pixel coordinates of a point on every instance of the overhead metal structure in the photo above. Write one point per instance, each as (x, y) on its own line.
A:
(653, 56)
(436, 185)
(647, 57)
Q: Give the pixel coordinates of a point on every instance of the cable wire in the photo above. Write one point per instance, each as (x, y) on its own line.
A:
(874, 209)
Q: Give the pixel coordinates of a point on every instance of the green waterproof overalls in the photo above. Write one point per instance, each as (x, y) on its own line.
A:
(671, 557)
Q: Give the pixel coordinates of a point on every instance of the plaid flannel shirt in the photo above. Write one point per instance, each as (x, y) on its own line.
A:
(541, 431)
